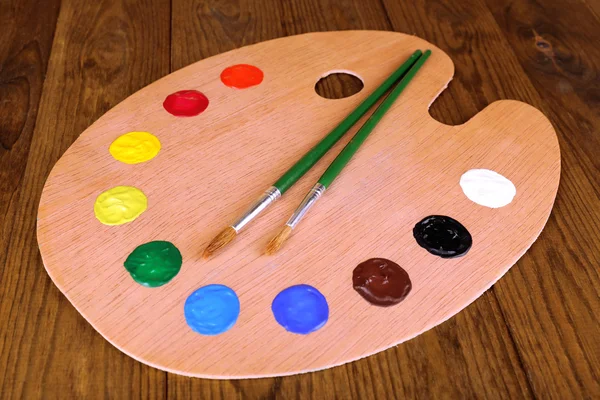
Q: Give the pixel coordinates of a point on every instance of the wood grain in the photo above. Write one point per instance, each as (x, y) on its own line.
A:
(491, 55)
(101, 53)
(25, 42)
(27, 32)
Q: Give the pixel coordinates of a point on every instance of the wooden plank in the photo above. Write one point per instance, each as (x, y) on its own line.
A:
(554, 331)
(471, 355)
(200, 29)
(558, 52)
(321, 383)
(27, 32)
(102, 52)
(25, 43)
(594, 6)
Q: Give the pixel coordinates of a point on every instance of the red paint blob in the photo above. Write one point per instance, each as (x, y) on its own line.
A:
(186, 103)
(242, 76)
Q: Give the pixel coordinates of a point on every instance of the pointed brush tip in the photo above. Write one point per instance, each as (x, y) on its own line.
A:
(221, 240)
(277, 242)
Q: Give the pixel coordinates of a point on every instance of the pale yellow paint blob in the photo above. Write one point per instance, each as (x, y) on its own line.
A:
(120, 205)
(135, 147)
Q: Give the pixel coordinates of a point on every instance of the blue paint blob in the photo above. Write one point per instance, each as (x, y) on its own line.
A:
(212, 309)
(300, 309)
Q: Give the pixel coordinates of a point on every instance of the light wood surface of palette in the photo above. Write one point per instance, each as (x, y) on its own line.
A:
(213, 165)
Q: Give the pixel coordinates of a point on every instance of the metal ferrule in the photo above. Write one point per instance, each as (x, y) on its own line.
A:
(310, 199)
(269, 196)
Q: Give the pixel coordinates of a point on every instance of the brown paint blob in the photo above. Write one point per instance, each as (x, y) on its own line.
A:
(242, 76)
(381, 282)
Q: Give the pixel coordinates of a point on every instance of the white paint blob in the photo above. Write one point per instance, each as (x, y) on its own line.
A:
(487, 188)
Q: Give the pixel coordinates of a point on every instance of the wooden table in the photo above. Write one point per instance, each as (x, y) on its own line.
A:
(534, 334)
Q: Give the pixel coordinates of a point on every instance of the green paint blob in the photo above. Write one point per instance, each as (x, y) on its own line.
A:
(154, 263)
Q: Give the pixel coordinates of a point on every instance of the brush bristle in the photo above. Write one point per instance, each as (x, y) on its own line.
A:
(278, 241)
(220, 241)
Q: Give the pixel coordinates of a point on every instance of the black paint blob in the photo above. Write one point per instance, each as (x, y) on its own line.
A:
(442, 236)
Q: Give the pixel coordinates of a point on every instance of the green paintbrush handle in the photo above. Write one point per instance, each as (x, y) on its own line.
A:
(346, 154)
(309, 159)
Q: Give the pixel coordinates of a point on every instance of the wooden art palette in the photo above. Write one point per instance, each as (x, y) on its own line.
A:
(127, 211)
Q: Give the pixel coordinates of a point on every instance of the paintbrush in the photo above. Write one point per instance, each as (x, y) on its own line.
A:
(343, 158)
(291, 176)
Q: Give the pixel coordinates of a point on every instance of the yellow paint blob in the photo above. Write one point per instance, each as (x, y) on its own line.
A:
(120, 205)
(135, 147)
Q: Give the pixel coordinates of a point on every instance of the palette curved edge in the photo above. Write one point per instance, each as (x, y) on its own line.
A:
(58, 279)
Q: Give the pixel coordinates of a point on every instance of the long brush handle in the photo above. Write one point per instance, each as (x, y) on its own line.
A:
(346, 154)
(309, 159)
(352, 147)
